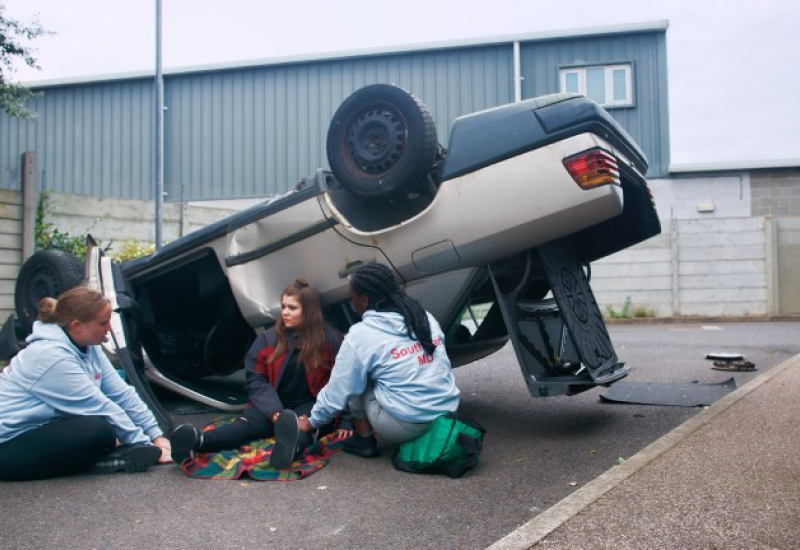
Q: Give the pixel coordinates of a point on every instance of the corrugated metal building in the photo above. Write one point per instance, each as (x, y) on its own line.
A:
(256, 128)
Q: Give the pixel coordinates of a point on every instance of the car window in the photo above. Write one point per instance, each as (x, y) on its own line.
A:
(474, 316)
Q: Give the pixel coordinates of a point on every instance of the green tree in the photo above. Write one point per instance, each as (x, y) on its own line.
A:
(15, 37)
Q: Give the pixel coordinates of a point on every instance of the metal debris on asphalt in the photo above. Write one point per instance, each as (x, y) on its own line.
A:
(731, 362)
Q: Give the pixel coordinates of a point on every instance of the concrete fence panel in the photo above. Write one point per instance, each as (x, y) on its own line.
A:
(722, 266)
(788, 262)
(116, 221)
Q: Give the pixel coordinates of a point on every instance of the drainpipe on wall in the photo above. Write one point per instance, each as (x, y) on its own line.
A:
(517, 74)
(30, 201)
(159, 84)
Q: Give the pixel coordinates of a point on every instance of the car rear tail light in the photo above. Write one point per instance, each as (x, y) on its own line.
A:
(593, 168)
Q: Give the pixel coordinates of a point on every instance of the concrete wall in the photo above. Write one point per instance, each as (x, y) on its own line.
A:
(710, 196)
(115, 221)
(776, 192)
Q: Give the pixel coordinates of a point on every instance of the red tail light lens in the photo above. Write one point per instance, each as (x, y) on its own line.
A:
(593, 168)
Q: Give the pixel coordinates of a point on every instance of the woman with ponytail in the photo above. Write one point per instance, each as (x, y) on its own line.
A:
(286, 368)
(65, 409)
(392, 369)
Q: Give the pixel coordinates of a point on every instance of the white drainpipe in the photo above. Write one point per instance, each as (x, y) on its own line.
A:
(517, 74)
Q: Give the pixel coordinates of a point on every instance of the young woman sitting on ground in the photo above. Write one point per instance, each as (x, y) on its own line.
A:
(392, 370)
(65, 408)
(286, 368)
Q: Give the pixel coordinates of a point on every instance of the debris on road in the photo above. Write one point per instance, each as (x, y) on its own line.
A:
(732, 362)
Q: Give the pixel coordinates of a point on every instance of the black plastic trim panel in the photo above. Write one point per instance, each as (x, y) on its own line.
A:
(495, 135)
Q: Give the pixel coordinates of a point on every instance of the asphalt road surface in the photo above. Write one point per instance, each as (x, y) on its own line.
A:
(537, 451)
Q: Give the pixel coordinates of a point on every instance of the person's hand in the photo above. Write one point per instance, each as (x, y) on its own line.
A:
(304, 424)
(274, 416)
(166, 449)
(343, 434)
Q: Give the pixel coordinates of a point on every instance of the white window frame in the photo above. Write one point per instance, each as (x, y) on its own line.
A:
(608, 81)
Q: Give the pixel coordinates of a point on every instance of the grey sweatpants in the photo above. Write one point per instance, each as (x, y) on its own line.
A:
(390, 429)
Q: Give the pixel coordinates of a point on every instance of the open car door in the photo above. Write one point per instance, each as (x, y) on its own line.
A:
(103, 275)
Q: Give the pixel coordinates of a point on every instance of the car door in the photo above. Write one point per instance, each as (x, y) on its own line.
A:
(104, 276)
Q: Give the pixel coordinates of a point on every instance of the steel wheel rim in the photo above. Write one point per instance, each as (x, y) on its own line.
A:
(377, 140)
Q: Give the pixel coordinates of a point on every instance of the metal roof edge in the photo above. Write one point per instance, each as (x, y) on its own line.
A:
(734, 166)
(628, 28)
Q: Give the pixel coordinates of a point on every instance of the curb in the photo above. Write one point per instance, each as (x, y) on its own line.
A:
(529, 534)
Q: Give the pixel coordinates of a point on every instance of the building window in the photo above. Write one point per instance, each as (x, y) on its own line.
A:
(608, 85)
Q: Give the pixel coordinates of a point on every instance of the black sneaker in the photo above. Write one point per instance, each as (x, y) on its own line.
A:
(127, 459)
(286, 434)
(185, 440)
(365, 447)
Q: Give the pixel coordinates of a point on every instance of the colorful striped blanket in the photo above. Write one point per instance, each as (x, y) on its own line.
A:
(252, 459)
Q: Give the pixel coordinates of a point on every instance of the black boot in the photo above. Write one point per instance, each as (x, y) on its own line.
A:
(137, 458)
(185, 440)
(363, 446)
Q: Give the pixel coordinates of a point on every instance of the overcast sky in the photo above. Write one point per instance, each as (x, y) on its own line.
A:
(733, 80)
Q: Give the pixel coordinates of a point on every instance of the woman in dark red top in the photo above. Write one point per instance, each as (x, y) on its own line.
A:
(286, 367)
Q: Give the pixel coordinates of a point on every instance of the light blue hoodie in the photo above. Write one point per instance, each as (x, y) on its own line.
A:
(409, 384)
(52, 379)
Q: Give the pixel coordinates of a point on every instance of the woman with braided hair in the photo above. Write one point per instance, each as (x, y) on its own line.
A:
(392, 369)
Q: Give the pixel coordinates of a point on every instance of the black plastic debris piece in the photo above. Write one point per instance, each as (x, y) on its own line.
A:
(732, 362)
(690, 394)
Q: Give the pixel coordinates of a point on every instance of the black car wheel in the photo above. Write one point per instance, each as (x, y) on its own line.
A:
(382, 142)
(46, 273)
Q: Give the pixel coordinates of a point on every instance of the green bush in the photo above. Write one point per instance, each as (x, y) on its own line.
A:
(47, 236)
(133, 249)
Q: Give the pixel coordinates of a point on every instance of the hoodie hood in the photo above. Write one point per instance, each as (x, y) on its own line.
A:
(389, 322)
(50, 332)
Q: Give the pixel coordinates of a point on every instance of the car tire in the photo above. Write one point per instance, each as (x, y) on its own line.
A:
(382, 142)
(46, 273)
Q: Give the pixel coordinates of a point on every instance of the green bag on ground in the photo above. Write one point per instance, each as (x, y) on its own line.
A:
(451, 445)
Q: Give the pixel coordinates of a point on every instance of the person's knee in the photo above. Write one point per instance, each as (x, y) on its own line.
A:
(98, 432)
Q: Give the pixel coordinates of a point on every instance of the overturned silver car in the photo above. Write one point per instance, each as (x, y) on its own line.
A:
(493, 236)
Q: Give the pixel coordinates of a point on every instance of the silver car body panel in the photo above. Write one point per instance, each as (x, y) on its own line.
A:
(296, 242)
(500, 210)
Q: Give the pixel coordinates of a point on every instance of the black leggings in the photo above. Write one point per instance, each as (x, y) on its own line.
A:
(58, 448)
(248, 427)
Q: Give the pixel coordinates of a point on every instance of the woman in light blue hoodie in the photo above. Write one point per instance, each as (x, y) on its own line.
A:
(392, 368)
(64, 407)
